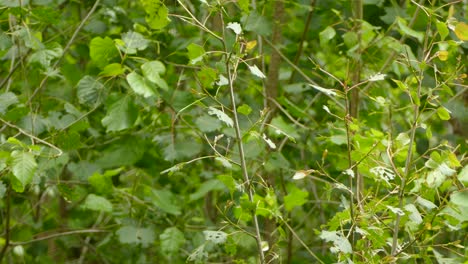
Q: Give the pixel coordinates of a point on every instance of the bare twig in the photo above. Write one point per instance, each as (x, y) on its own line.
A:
(67, 233)
(59, 151)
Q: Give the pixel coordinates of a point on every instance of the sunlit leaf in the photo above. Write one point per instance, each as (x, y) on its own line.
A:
(244, 109)
(425, 203)
(256, 71)
(236, 27)
(221, 116)
(195, 53)
(269, 142)
(461, 30)
(301, 174)
(102, 51)
(113, 69)
(443, 113)
(295, 197)
(134, 41)
(97, 203)
(23, 165)
(326, 35)
(156, 14)
(326, 91)
(377, 77)
(140, 85)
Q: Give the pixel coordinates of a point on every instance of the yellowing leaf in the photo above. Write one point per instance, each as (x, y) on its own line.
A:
(443, 55)
(461, 30)
(250, 45)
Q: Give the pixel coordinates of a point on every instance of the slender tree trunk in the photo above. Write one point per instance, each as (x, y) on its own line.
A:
(271, 92)
(356, 78)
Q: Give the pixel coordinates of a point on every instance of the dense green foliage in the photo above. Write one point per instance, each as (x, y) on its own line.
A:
(240, 131)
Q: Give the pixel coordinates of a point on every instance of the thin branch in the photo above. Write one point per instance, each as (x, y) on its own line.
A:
(65, 50)
(301, 43)
(301, 241)
(7, 224)
(295, 67)
(68, 233)
(59, 151)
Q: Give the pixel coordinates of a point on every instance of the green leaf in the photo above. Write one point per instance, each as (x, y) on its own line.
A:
(7, 99)
(442, 29)
(166, 201)
(102, 184)
(102, 51)
(207, 77)
(113, 69)
(207, 123)
(172, 239)
(124, 152)
(134, 41)
(182, 149)
(296, 197)
(244, 109)
(195, 53)
(136, 235)
(97, 203)
(208, 186)
(68, 140)
(244, 5)
(140, 85)
(326, 35)
(257, 23)
(23, 167)
(228, 181)
(443, 113)
(89, 91)
(156, 14)
(409, 31)
(281, 127)
(121, 115)
(152, 71)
